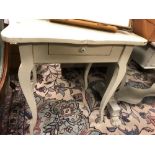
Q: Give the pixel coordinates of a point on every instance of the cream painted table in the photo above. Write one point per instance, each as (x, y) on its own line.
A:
(41, 41)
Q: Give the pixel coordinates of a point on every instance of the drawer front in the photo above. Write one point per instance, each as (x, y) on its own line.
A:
(70, 49)
(42, 54)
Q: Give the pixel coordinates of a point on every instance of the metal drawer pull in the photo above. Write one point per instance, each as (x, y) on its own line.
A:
(82, 50)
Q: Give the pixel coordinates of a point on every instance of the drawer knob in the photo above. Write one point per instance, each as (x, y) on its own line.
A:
(82, 50)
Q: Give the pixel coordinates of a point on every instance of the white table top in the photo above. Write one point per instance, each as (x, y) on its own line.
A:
(44, 31)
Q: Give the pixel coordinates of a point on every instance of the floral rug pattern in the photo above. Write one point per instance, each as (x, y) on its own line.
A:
(65, 108)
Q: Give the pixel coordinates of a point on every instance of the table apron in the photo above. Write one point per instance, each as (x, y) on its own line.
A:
(41, 55)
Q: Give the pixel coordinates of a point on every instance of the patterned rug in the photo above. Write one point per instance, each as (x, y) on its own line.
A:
(62, 104)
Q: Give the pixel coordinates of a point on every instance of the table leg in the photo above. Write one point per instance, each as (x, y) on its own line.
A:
(114, 111)
(119, 73)
(25, 81)
(88, 66)
(34, 71)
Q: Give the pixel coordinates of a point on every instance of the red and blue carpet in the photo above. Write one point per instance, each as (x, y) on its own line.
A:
(62, 101)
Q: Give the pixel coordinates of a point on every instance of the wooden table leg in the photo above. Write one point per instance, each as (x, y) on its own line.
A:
(34, 71)
(119, 73)
(25, 82)
(88, 66)
(114, 111)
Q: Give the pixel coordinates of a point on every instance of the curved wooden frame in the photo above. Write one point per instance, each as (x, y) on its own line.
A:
(5, 67)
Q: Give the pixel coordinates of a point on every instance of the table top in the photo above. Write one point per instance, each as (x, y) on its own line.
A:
(44, 31)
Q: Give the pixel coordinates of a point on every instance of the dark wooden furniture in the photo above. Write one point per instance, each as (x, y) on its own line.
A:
(4, 77)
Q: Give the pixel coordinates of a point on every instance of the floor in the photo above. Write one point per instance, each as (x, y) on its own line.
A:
(62, 104)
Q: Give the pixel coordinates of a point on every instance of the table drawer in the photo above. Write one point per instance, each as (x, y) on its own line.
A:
(44, 53)
(72, 49)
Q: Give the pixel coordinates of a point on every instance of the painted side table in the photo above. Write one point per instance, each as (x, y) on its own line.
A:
(41, 41)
